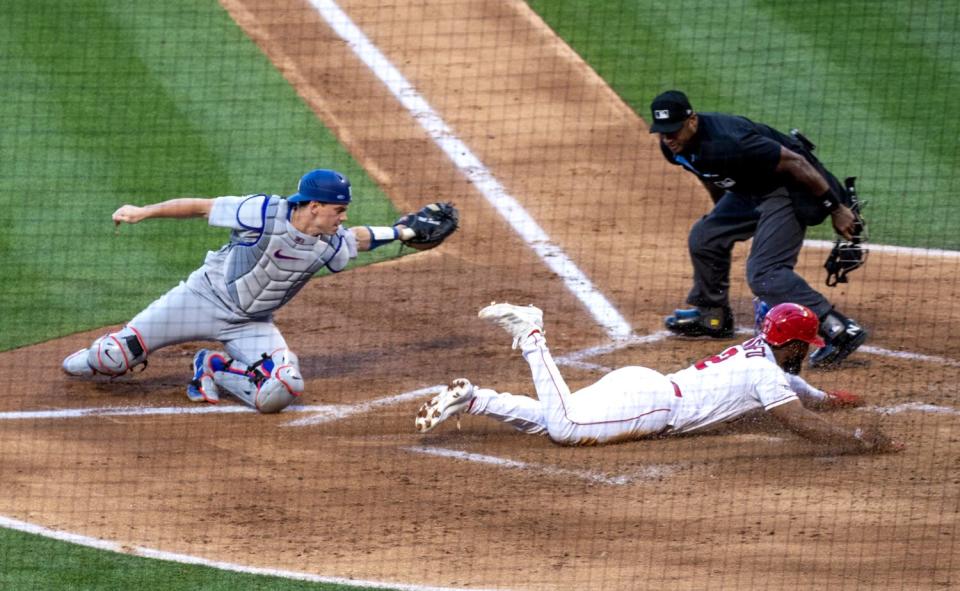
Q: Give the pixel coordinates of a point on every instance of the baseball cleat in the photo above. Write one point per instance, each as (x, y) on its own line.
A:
(715, 323)
(455, 399)
(519, 321)
(202, 387)
(76, 364)
(839, 345)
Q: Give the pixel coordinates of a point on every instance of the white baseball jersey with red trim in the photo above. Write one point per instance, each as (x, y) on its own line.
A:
(740, 379)
(633, 402)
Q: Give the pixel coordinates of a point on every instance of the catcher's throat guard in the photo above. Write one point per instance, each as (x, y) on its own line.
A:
(848, 255)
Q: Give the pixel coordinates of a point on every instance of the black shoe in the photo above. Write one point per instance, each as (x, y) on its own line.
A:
(715, 323)
(842, 340)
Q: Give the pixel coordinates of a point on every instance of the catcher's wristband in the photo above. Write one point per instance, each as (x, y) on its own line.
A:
(380, 235)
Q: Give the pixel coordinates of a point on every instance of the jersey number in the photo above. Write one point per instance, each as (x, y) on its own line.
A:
(703, 363)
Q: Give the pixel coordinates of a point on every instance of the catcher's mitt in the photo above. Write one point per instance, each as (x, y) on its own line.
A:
(848, 255)
(433, 224)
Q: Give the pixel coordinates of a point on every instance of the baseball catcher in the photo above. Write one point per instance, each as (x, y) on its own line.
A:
(636, 402)
(276, 245)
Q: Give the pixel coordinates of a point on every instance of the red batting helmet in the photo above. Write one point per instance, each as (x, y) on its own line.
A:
(791, 322)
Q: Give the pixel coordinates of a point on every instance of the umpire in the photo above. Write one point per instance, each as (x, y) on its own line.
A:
(765, 185)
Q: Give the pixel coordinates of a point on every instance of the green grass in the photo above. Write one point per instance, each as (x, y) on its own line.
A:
(29, 562)
(873, 83)
(101, 105)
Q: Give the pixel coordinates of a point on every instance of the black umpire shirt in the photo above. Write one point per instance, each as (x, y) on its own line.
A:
(736, 154)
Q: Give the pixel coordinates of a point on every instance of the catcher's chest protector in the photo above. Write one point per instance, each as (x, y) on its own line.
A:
(263, 274)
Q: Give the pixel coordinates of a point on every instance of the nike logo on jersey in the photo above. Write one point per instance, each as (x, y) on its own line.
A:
(279, 254)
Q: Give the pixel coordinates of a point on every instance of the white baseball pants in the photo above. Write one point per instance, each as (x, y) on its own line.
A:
(183, 315)
(627, 403)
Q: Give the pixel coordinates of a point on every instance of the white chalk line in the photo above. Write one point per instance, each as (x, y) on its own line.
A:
(606, 315)
(145, 552)
(325, 413)
(595, 302)
(652, 472)
(933, 253)
(909, 356)
(342, 411)
(143, 411)
(575, 359)
(322, 413)
(914, 407)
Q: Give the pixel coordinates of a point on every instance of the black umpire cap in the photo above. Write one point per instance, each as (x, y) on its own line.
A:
(670, 109)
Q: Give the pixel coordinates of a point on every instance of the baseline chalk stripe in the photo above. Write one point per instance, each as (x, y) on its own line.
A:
(909, 356)
(645, 473)
(914, 406)
(343, 411)
(605, 314)
(933, 253)
(143, 411)
(324, 413)
(576, 359)
(119, 548)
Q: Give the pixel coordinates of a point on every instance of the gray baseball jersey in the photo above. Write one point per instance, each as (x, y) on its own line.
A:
(232, 297)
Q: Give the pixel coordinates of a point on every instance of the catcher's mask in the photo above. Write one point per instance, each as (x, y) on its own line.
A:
(791, 322)
(848, 255)
(844, 258)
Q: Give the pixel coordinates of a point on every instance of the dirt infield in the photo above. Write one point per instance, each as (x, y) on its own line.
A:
(365, 497)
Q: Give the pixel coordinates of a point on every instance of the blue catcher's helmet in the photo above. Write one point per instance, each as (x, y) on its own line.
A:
(325, 186)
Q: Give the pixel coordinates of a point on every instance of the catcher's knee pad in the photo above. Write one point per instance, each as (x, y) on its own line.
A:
(284, 384)
(117, 353)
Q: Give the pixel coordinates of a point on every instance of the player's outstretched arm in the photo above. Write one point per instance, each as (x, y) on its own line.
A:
(422, 230)
(370, 237)
(818, 399)
(811, 426)
(186, 207)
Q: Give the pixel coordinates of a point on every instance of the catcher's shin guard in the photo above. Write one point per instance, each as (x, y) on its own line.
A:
(284, 385)
(117, 353)
(269, 385)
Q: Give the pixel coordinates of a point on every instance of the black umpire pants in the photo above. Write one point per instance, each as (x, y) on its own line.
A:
(777, 237)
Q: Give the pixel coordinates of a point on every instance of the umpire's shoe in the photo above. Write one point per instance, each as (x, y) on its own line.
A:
(716, 323)
(843, 336)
